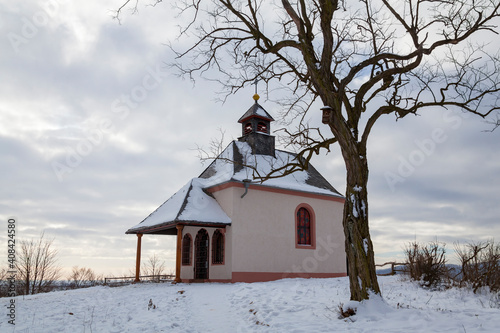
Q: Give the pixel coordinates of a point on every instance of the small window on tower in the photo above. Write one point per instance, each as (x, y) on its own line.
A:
(248, 128)
(261, 127)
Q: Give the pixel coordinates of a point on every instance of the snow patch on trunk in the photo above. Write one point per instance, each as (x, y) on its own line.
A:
(355, 212)
(365, 245)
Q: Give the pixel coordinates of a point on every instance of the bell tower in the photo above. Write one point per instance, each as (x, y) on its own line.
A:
(256, 129)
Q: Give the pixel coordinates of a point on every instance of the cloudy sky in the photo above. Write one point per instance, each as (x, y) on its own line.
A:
(96, 132)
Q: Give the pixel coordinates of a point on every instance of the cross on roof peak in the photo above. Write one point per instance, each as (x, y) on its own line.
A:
(256, 82)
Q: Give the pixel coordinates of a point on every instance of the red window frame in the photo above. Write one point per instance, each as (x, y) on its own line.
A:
(305, 227)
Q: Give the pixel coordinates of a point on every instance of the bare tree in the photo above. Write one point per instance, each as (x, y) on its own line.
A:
(362, 60)
(83, 277)
(3, 282)
(153, 266)
(37, 265)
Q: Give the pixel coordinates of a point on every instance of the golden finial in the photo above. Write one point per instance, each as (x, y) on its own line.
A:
(256, 96)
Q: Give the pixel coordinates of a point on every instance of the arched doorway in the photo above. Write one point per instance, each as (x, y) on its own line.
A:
(201, 255)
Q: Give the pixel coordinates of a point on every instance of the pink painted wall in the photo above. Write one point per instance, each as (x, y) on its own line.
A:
(263, 233)
(260, 244)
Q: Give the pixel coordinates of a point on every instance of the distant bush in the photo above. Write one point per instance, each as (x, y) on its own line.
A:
(83, 278)
(480, 265)
(426, 263)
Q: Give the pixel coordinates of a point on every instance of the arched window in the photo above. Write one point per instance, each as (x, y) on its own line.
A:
(186, 250)
(305, 227)
(261, 127)
(248, 128)
(218, 247)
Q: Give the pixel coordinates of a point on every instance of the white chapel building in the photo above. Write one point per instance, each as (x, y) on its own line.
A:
(231, 227)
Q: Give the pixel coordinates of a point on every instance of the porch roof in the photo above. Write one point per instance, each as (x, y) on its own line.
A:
(191, 205)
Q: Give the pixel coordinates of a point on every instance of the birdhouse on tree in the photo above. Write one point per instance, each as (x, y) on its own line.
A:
(327, 110)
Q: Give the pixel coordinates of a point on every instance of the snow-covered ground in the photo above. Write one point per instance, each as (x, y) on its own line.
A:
(290, 305)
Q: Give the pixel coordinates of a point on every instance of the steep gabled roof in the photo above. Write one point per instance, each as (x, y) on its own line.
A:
(237, 163)
(190, 205)
(256, 110)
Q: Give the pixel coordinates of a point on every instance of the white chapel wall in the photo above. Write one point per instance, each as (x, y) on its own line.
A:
(263, 233)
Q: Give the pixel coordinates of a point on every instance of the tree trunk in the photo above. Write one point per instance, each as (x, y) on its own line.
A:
(27, 282)
(358, 245)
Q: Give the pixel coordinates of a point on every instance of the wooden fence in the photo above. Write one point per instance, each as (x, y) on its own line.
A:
(395, 267)
(122, 280)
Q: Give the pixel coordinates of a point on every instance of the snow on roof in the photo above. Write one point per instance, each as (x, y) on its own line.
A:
(256, 110)
(190, 204)
(237, 163)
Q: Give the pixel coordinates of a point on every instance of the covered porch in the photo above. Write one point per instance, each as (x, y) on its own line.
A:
(175, 229)
(191, 206)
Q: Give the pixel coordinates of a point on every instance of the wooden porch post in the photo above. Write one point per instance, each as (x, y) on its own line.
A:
(178, 254)
(138, 259)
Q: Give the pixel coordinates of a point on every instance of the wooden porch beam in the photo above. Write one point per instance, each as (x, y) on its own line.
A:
(138, 259)
(178, 254)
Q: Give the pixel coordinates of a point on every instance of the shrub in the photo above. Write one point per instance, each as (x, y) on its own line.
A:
(345, 312)
(426, 264)
(480, 265)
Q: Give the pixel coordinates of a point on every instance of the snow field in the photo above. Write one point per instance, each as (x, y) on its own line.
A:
(289, 305)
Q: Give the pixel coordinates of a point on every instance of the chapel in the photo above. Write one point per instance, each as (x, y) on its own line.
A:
(232, 227)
